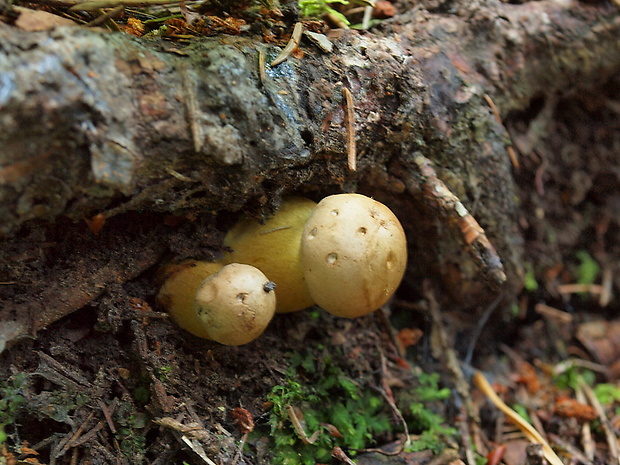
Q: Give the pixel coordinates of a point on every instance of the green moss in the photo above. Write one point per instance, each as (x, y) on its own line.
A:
(529, 279)
(130, 434)
(318, 8)
(573, 376)
(346, 413)
(327, 401)
(429, 426)
(607, 393)
(11, 400)
(588, 268)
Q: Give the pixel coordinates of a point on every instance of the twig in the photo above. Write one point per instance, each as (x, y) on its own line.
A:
(98, 4)
(192, 109)
(534, 436)
(607, 284)
(350, 124)
(389, 329)
(447, 205)
(480, 326)
(89, 435)
(291, 46)
(105, 16)
(448, 355)
(494, 108)
(338, 22)
(513, 157)
(237, 456)
(566, 365)
(262, 76)
(466, 440)
(67, 443)
(580, 288)
(589, 448)
(400, 417)
(538, 177)
(576, 454)
(179, 176)
(367, 16)
(74, 457)
(511, 151)
(56, 372)
(559, 316)
(339, 454)
(299, 429)
(612, 440)
(107, 413)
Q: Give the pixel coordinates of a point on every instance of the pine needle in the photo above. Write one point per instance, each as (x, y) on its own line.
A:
(534, 436)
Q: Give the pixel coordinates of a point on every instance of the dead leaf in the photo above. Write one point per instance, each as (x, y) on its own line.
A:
(602, 339)
(568, 407)
(36, 20)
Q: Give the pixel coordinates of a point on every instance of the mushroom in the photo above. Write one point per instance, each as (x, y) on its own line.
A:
(178, 292)
(354, 254)
(274, 247)
(236, 304)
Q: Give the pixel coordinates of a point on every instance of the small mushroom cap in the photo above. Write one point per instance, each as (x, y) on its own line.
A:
(236, 304)
(274, 247)
(177, 294)
(354, 254)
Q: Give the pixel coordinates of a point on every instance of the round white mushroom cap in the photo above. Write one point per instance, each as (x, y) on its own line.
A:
(354, 254)
(236, 304)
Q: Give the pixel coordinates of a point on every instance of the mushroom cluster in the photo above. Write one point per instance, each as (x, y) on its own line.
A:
(348, 254)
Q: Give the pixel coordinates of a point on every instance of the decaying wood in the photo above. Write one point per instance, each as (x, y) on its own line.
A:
(98, 123)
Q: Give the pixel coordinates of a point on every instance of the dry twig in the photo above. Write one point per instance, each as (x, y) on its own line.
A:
(350, 125)
(612, 440)
(423, 178)
(299, 429)
(589, 446)
(534, 436)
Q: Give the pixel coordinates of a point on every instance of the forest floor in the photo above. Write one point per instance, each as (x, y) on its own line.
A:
(118, 382)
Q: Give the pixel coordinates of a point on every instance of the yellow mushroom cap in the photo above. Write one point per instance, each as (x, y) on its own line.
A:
(236, 304)
(177, 294)
(274, 247)
(354, 254)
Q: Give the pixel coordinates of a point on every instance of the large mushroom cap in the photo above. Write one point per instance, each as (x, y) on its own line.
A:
(274, 248)
(354, 254)
(236, 304)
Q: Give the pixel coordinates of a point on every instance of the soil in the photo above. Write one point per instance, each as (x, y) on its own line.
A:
(115, 381)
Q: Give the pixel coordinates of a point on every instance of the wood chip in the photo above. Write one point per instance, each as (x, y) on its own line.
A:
(320, 40)
(292, 45)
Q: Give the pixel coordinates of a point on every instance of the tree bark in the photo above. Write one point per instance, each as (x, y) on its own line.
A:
(93, 123)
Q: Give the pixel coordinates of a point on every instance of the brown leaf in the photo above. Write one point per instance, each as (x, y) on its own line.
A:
(36, 20)
(569, 408)
(243, 419)
(602, 339)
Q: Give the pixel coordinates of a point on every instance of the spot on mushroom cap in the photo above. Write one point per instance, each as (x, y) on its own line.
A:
(274, 247)
(354, 254)
(236, 304)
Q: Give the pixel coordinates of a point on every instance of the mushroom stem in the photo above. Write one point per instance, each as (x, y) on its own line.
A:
(274, 247)
(177, 294)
